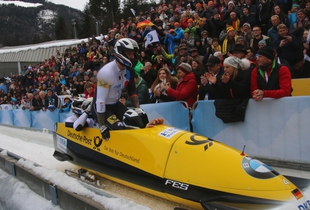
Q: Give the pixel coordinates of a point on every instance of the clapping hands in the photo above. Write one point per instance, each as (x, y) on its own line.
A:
(211, 77)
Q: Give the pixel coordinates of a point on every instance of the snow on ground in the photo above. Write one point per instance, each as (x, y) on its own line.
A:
(52, 171)
(16, 195)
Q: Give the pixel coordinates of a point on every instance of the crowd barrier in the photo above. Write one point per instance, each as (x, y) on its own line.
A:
(175, 114)
(273, 128)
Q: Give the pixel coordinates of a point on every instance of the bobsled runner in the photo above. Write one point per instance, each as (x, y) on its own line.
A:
(180, 166)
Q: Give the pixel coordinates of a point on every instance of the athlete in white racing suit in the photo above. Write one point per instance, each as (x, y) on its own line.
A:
(111, 79)
(82, 115)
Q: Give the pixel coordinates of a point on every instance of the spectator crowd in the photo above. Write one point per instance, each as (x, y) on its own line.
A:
(206, 50)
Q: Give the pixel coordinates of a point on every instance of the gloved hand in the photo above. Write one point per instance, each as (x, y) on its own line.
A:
(88, 109)
(105, 132)
(139, 111)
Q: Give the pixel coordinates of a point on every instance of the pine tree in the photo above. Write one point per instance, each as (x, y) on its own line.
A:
(61, 31)
(106, 11)
(87, 26)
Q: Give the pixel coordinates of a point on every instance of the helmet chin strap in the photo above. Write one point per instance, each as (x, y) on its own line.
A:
(120, 65)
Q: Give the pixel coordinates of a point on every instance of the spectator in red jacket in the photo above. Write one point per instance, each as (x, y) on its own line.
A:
(270, 79)
(187, 88)
(89, 90)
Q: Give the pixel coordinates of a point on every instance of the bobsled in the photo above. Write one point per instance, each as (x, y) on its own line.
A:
(179, 166)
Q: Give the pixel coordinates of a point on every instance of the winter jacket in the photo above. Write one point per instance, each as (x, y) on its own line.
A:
(235, 88)
(279, 81)
(291, 51)
(187, 90)
(142, 91)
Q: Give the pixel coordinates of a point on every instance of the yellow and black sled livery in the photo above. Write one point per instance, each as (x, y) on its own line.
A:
(180, 166)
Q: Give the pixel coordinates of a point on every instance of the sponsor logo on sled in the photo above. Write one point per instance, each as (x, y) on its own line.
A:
(61, 143)
(169, 132)
(304, 206)
(258, 169)
(178, 185)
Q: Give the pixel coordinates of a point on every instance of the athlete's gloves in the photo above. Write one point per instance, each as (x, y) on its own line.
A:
(88, 109)
(105, 132)
(139, 111)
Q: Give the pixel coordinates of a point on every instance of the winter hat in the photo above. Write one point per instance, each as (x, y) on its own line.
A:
(229, 29)
(267, 51)
(185, 67)
(263, 41)
(247, 24)
(240, 38)
(217, 53)
(239, 48)
(190, 20)
(295, 5)
(246, 63)
(231, 2)
(234, 62)
(194, 49)
(67, 97)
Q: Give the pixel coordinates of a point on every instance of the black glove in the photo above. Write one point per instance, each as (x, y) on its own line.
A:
(105, 132)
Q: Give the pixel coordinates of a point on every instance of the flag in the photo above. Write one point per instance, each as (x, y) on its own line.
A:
(151, 37)
(297, 194)
(133, 11)
(144, 23)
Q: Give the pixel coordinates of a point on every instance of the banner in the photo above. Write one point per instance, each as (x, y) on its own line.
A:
(151, 37)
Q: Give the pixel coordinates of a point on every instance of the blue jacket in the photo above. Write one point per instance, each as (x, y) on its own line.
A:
(170, 43)
(272, 34)
(179, 34)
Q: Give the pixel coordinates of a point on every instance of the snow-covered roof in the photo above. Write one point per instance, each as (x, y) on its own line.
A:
(36, 52)
(21, 3)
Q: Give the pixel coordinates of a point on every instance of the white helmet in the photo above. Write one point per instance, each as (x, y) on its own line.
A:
(76, 106)
(132, 119)
(124, 44)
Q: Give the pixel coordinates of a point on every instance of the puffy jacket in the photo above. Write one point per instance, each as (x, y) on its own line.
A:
(187, 90)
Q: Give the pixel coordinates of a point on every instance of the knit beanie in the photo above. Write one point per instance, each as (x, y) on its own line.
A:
(240, 38)
(247, 24)
(229, 28)
(262, 42)
(185, 67)
(267, 51)
(231, 2)
(234, 62)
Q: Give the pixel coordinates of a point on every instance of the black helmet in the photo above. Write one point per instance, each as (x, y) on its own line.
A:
(132, 119)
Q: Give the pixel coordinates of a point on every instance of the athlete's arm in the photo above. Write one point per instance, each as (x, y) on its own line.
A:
(79, 123)
(135, 101)
(103, 87)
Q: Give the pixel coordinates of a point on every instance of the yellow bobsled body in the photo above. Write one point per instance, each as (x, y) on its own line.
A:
(180, 166)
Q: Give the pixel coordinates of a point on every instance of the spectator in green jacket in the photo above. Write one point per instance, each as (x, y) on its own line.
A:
(142, 91)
